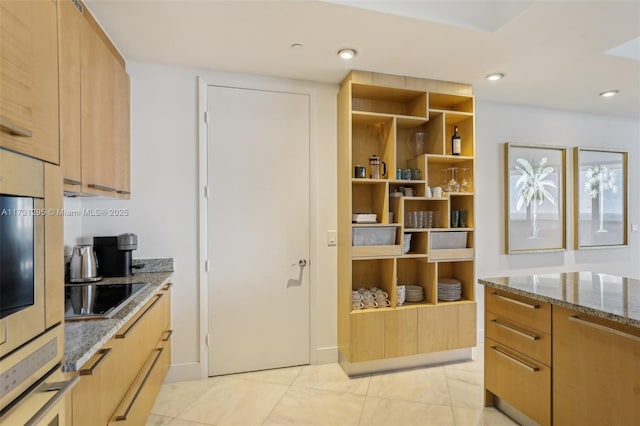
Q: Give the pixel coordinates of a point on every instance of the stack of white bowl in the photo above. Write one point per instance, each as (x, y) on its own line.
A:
(415, 293)
(449, 289)
(401, 295)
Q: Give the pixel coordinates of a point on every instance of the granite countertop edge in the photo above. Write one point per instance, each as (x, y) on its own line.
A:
(83, 339)
(564, 304)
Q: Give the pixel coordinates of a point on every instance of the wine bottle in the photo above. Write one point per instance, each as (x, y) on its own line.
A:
(455, 141)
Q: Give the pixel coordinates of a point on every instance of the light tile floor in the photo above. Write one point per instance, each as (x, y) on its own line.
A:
(323, 395)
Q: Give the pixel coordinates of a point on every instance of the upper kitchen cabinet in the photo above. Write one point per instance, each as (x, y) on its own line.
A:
(94, 107)
(121, 118)
(29, 78)
(70, 22)
(97, 124)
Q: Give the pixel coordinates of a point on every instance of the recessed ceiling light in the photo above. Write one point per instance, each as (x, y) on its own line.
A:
(347, 54)
(495, 76)
(609, 93)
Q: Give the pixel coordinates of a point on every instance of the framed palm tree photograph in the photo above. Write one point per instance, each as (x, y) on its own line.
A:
(535, 187)
(601, 203)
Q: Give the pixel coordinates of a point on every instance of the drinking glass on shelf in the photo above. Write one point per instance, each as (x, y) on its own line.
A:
(465, 179)
(453, 184)
(455, 218)
(428, 219)
(462, 218)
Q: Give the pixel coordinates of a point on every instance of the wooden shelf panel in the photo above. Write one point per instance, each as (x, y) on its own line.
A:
(449, 255)
(376, 251)
(450, 102)
(388, 100)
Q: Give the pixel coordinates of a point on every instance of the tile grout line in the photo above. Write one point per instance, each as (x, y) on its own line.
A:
(283, 394)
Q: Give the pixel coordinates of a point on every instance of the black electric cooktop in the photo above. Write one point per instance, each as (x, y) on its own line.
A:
(98, 301)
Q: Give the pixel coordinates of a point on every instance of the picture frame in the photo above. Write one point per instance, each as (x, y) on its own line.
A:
(535, 198)
(601, 200)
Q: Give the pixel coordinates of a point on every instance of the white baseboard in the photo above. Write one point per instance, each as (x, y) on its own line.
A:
(183, 372)
(326, 355)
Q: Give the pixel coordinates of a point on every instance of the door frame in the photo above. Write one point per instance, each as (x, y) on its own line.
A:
(203, 275)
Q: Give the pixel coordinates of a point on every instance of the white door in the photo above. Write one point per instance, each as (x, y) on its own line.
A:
(258, 229)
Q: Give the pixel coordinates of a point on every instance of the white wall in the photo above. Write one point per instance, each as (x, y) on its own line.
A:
(163, 208)
(499, 123)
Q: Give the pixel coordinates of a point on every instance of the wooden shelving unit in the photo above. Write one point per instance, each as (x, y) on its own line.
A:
(377, 115)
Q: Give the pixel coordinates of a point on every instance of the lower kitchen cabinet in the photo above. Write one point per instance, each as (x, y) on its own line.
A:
(446, 326)
(517, 351)
(120, 383)
(596, 379)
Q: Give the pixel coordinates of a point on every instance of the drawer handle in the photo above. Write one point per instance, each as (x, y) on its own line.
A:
(61, 391)
(137, 321)
(515, 360)
(123, 417)
(101, 187)
(119, 191)
(68, 181)
(516, 331)
(168, 286)
(517, 302)
(13, 129)
(169, 333)
(103, 355)
(604, 328)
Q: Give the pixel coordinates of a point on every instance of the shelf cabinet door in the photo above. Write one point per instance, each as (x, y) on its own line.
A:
(596, 374)
(69, 30)
(97, 84)
(367, 336)
(400, 333)
(29, 78)
(446, 326)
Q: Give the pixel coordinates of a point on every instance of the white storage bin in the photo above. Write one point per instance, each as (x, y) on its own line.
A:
(448, 240)
(378, 236)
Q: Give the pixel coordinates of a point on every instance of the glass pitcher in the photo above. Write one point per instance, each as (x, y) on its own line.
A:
(377, 168)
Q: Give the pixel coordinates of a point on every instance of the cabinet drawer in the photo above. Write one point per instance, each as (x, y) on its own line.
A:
(521, 381)
(519, 309)
(136, 339)
(135, 407)
(526, 340)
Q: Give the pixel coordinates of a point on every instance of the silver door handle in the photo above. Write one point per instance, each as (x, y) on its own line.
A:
(301, 263)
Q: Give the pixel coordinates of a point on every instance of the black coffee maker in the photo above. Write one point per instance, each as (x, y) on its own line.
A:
(114, 254)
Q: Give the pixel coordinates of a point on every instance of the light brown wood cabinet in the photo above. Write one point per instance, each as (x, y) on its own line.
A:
(94, 107)
(121, 382)
(518, 353)
(70, 21)
(377, 115)
(121, 131)
(29, 78)
(596, 370)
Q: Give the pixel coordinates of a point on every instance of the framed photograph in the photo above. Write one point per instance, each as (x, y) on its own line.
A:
(601, 202)
(535, 187)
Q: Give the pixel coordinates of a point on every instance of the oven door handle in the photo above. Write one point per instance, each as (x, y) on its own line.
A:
(61, 391)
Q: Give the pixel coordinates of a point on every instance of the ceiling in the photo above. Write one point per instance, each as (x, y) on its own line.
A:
(554, 53)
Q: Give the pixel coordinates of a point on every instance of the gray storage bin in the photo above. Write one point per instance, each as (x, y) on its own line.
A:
(378, 236)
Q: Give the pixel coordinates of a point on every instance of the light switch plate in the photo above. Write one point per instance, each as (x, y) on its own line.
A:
(332, 238)
(634, 228)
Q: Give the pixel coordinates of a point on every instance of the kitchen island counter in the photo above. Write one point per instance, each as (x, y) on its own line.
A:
(605, 296)
(83, 339)
(563, 348)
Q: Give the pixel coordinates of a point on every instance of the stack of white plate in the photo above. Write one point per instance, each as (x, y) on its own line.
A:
(415, 293)
(449, 289)
(401, 295)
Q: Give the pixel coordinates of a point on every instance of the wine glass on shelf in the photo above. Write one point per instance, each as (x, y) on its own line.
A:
(453, 185)
(465, 179)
